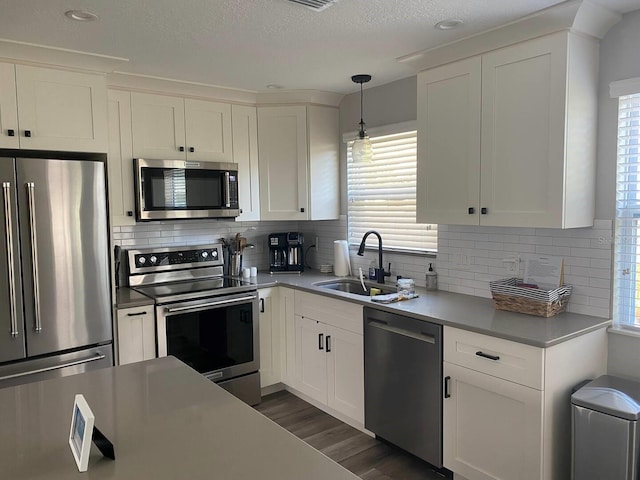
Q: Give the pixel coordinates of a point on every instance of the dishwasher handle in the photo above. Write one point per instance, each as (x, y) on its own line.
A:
(422, 336)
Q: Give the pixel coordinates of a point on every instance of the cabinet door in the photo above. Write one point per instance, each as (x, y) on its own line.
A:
(324, 162)
(245, 154)
(282, 142)
(448, 168)
(311, 358)
(492, 428)
(158, 126)
(8, 107)
(287, 335)
(136, 334)
(208, 131)
(523, 129)
(60, 110)
(345, 372)
(269, 337)
(120, 159)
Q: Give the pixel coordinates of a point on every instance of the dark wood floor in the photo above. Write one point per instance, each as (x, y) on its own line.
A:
(367, 457)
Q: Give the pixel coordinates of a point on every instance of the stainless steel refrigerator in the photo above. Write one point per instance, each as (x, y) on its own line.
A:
(55, 299)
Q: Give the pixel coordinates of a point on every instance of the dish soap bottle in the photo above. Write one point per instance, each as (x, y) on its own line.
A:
(432, 278)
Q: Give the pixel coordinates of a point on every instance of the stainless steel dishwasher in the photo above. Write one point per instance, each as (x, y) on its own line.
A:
(403, 382)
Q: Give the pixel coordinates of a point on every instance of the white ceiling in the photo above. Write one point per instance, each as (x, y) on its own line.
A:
(248, 44)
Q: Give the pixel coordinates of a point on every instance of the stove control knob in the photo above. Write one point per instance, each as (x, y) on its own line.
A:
(214, 253)
(153, 259)
(142, 260)
(205, 254)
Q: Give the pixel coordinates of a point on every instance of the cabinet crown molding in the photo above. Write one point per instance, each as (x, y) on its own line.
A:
(30, 53)
(576, 16)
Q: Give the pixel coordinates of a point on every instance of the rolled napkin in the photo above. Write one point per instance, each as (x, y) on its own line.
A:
(341, 263)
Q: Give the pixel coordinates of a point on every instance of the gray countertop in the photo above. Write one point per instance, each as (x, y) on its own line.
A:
(452, 309)
(462, 311)
(127, 298)
(166, 422)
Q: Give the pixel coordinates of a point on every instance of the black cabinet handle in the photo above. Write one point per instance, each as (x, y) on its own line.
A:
(302, 210)
(320, 341)
(27, 133)
(472, 210)
(447, 381)
(483, 211)
(262, 305)
(191, 149)
(328, 343)
(240, 210)
(137, 314)
(11, 132)
(129, 213)
(486, 355)
(181, 148)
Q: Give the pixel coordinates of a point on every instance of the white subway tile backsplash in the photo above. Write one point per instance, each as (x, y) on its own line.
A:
(587, 254)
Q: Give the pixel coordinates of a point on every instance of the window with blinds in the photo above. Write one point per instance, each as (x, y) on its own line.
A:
(382, 196)
(627, 246)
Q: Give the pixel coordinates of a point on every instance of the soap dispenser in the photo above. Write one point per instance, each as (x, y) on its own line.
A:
(432, 278)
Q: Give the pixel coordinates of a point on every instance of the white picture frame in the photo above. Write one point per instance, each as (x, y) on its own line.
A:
(81, 432)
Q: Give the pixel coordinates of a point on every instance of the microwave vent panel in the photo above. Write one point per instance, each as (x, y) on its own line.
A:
(317, 5)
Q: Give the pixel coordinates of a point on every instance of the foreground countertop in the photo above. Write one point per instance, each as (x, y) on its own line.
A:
(166, 422)
(456, 310)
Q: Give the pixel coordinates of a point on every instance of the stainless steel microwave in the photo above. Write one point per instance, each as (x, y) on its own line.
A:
(178, 189)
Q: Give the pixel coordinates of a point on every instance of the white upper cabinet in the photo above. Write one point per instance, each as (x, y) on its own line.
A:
(508, 138)
(244, 126)
(120, 159)
(166, 127)
(45, 109)
(449, 143)
(8, 107)
(299, 162)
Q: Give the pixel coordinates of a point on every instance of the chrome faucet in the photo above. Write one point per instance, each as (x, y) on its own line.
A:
(380, 273)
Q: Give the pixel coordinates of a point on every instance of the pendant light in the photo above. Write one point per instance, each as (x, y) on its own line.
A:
(361, 148)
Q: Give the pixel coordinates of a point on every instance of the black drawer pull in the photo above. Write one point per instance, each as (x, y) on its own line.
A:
(328, 343)
(27, 133)
(320, 341)
(447, 381)
(472, 210)
(11, 132)
(136, 314)
(262, 305)
(486, 355)
(181, 148)
(483, 211)
(192, 149)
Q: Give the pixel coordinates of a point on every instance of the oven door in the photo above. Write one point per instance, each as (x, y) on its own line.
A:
(170, 189)
(216, 336)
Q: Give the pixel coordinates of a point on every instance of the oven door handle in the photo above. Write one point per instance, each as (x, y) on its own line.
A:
(212, 304)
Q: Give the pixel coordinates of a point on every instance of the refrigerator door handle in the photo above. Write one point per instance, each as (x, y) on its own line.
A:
(6, 191)
(94, 358)
(34, 253)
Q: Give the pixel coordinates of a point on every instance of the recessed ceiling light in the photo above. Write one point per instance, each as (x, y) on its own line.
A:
(273, 86)
(81, 15)
(448, 24)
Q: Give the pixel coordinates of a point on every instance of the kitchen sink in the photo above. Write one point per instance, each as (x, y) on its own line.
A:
(354, 286)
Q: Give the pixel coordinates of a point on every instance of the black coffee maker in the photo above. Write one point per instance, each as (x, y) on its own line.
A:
(286, 252)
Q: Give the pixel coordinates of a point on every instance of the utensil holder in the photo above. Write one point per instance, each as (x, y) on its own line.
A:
(235, 264)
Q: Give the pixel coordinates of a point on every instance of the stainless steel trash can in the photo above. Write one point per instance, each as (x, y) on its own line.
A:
(605, 416)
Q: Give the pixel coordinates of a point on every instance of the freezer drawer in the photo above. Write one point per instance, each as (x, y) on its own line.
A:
(56, 366)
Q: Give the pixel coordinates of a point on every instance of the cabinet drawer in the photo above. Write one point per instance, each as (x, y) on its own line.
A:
(337, 313)
(500, 358)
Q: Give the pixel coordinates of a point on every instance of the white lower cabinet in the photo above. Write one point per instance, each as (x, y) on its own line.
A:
(269, 328)
(493, 426)
(323, 351)
(136, 334)
(506, 411)
(330, 366)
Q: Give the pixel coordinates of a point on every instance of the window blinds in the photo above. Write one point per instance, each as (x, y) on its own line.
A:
(382, 196)
(627, 246)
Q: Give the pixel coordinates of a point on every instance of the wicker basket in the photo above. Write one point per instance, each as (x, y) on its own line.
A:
(532, 301)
